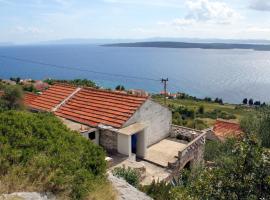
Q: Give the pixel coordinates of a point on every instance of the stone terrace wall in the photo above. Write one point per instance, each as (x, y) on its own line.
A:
(186, 132)
(193, 153)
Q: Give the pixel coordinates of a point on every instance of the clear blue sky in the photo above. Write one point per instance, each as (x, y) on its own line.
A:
(25, 21)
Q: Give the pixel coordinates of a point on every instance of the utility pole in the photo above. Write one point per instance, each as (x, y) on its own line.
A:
(164, 81)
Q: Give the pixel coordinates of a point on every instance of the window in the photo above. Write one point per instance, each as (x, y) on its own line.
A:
(92, 135)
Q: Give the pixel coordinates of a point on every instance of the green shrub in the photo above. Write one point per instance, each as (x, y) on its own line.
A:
(201, 110)
(48, 154)
(128, 174)
(158, 190)
(75, 82)
(214, 150)
(12, 98)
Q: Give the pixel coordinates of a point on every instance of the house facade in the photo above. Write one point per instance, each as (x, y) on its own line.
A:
(121, 123)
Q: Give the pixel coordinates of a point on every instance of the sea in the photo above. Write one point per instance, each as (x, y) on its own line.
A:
(228, 74)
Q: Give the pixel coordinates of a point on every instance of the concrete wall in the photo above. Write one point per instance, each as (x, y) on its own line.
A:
(158, 118)
(96, 136)
(141, 144)
(124, 144)
(108, 139)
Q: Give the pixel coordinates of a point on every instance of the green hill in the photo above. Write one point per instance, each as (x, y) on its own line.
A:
(39, 153)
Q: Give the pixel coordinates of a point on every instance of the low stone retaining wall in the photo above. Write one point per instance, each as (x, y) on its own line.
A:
(188, 133)
(192, 154)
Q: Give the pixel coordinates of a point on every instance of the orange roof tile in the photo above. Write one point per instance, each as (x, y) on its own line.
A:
(92, 107)
(2, 93)
(29, 97)
(52, 97)
(224, 129)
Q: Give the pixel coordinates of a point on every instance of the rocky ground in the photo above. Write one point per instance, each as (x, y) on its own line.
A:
(27, 196)
(126, 191)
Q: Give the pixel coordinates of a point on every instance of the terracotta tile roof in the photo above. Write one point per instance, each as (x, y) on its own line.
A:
(52, 97)
(224, 129)
(29, 97)
(1, 93)
(92, 107)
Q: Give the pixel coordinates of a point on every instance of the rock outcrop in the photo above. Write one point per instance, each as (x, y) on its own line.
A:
(27, 196)
(127, 191)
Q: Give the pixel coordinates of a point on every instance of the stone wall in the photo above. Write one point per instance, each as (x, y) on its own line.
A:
(189, 133)
(108, 140)
(156, 117)
(192, 154)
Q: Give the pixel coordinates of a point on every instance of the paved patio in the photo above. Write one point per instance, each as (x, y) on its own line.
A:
(163, 152)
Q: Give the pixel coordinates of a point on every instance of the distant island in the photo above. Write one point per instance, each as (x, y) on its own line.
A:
(257, 47)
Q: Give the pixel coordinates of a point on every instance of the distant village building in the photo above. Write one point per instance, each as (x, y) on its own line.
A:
(170, 95)
(9, 82)
(224, 129)
(138, 92)
(40, 85)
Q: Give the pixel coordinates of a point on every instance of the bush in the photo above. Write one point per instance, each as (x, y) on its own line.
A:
(75, 82)
(201, 110)
(128, 174)
(120, 88)
(40, 149)
(12, 98)
(158, 190)
(214, 150)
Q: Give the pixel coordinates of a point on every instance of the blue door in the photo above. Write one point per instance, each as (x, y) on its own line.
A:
(134, 143)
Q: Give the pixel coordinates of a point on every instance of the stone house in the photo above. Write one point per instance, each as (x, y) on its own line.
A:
(121, 123)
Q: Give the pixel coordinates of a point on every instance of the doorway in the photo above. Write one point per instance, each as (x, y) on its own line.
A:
(134, 140)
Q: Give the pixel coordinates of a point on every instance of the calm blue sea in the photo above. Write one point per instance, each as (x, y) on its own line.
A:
(229, 74)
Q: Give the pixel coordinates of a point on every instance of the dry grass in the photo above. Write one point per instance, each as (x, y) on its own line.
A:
(103, 192)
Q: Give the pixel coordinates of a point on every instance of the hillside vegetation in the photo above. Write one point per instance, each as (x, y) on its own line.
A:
(38, 153)
(200, 114)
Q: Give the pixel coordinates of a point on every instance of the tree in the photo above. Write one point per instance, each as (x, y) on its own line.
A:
(220, 101)
(12, 98)
(76, 82)
(243, 174)
(120, 88)
(245, 101)
(257, 103)
(17, 79)
(208, 99)
(250, 102)
(201, 110)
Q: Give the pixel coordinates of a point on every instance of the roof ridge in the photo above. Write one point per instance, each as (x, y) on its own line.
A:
(66, 99)
(100, 89)
(64, 84)
(227, 121)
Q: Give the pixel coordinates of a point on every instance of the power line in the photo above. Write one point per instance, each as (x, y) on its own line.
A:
(164, 81)
(77, 69)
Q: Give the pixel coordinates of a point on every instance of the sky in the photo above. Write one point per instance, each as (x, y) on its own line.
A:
(31, 21)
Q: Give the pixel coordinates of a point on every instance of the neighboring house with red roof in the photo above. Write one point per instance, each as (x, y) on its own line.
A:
(2, 93)
(40, 85)
(122, 123)
(224, 129)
